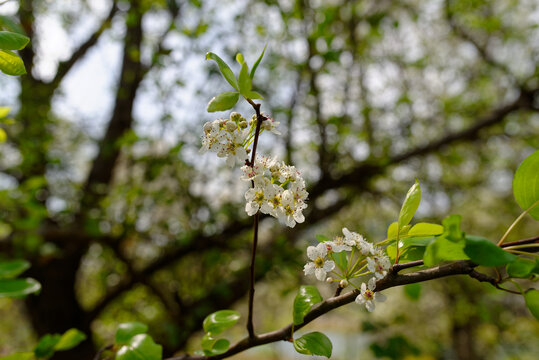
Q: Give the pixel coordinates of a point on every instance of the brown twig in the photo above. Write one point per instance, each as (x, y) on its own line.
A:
(102, 350)
(250, 326)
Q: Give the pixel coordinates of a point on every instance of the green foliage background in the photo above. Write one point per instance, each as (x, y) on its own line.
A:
(123, 220)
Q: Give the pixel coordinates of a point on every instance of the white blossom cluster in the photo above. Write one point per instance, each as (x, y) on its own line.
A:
(279, 190)
(228, 138)
(369, 260)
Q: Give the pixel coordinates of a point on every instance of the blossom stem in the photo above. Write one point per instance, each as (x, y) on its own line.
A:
(250, 326)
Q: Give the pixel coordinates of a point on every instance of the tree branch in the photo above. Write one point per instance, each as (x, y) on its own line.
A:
(65, 66)
(464, 267)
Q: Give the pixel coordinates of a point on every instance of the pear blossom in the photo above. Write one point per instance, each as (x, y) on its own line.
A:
(368, 296)
(280, 188)
(365, 247)
(319, 266)
(340, 243)
(379, 264)
(227, 138)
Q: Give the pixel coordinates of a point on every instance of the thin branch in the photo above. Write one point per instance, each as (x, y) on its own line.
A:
(463, 34)
(102, 350)
(65, 66)
(391, 280)
(250, 326)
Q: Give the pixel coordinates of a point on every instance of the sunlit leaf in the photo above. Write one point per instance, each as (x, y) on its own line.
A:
(223, 101)
(18, 287)
(129, 329)
(314, 343)
(140, 347)
(410, 204)
(70, 339)
(12, 268)
(307, 296)
(11, 63)
(239, 58)
(219, 321)
(225, 69)
(45, 346)
(12, 41)
(442, 249)
(426, 229)
(520, 268)
(532, 302)
(244, 81)
(483, 252)
(526, 184)
(255, 66)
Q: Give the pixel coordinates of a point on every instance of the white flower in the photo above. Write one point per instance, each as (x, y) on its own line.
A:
(340, 243)
(378, 264)
(271, 125)
(368, 296)
(320, 266)
(365, 247)
(226, 138)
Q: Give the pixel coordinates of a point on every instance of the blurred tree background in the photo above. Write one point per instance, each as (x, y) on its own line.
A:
(103, 190)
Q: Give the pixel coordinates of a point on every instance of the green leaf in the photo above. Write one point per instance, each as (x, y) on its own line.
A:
(45, 346)
(12, 41)
(314, 343)
(3, 136)
(254, 95)
(483, 252)
(11, 63)
(223, 101)
(208, 342)
(70, 339)
(219, 321)
(426, 229)
(17, 288)
(452, 230)
(4, 110)
(412, 291)
(129, 329)
(341, 260)
(307, 296)
(442, 249)
(322, 238)
(225, 69)
(244, 81)
(13, 268)
(255, 66)
(532, 302)
(520, 268)
(19, 356)
(392, 230)
(239, 58)
(140, 347)
(526, 184)
(8, 23)
(213, 346)
(220, 347)
(410, 204)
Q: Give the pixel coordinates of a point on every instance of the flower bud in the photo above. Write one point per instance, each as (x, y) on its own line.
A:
(235, 116)
(243, 124)
(207, 127)
(231, 126)
(329, 279)
(343, 283)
